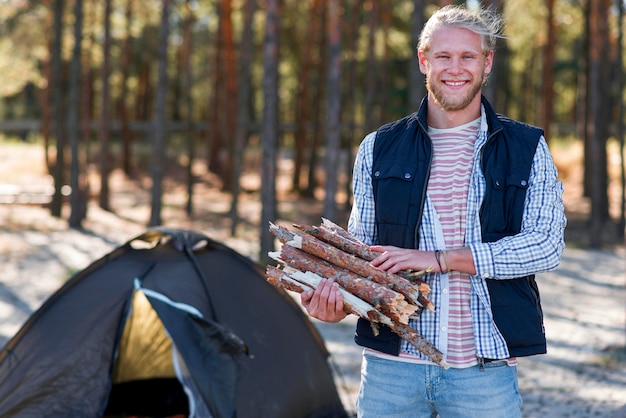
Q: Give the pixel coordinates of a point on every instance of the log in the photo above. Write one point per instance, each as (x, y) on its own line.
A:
(369, 254)
(384, 299)
(350, 244)
(327, 223)
(278, 278)
(342, 240)
(314, 246)
(298, 281)
(422, 344)
(331, 252)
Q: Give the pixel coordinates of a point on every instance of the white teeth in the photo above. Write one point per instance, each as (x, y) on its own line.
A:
(455, 83)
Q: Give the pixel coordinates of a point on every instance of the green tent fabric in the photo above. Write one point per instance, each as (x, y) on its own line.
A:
(172, 322)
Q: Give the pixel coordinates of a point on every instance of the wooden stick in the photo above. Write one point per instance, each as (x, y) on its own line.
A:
(384, 299)
(314, 246)
(422, 344)
(335, 235)
(341, 241)
(298, 281)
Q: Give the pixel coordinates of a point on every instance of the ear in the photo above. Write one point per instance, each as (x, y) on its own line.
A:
(423, 62)
(488, 62)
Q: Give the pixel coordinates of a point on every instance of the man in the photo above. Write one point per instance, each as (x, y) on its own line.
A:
(475, 196)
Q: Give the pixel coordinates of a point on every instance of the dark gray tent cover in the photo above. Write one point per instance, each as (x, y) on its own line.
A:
(170, 323)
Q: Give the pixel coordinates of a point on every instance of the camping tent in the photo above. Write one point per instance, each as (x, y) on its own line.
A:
(169, 323)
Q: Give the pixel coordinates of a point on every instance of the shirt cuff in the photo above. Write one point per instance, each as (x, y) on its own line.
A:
(483, 260)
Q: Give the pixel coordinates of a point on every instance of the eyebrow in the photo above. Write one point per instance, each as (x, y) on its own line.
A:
(445, 51)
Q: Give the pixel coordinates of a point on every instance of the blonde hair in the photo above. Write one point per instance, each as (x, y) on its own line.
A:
(484, 22)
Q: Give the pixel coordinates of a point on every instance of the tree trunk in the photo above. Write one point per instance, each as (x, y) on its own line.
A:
(270, 128)
(105, 118)
(145, 90)
(46, 99)
(547, 96)
(87, 97)
(78, 204)
(215, 139)
(224, 98)
(497, 89)
(58, 99)
(489, 89)
(229, 94)
(303, 103)
(585, 84)
(386, 17)
(187, 84)
(599, 16)
(87, 115)
(349, 103)
(417, 89)
(243, 106)
(126, 56)
(317, 106)
(160, 123)
(371, 69)
(620, 120)
(333, 130)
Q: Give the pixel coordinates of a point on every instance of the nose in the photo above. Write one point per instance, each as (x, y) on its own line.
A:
(455, 66)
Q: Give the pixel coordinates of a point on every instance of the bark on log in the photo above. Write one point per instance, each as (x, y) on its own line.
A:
(298, 281)
(350, 244)
(384, 299)
(422, 344)
(333, 227)
(341, 241)
(314, 246)
(327, 223)
(368, 292)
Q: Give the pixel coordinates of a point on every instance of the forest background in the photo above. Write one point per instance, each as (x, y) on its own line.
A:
(224, 115)
(216, 93)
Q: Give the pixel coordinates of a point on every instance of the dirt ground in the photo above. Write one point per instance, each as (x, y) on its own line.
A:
(583, 374)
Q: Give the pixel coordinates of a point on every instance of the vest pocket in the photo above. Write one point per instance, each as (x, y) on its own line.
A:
(502, 212)
(392, 183)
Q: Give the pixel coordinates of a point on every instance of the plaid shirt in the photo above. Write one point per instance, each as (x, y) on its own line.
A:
(537, 248)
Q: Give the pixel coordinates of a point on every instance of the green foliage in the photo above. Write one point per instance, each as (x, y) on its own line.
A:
(21, 47)
(25, 36)
(16, 69)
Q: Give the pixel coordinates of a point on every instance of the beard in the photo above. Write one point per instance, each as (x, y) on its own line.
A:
(453, 103)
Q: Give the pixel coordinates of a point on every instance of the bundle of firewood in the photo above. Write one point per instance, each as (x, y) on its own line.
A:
(311, 253)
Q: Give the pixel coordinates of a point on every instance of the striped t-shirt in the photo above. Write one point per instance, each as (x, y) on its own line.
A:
(448, 187)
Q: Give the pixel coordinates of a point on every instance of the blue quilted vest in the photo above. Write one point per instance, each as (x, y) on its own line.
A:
(400, 172)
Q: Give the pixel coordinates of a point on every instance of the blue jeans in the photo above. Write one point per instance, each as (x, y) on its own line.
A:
(405, 390)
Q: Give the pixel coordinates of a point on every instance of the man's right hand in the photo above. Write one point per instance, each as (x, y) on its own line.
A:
(324, 303)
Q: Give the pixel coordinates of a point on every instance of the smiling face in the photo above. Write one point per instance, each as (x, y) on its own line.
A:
(456, 68)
